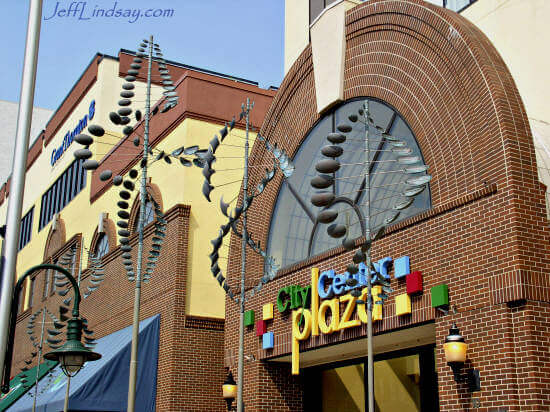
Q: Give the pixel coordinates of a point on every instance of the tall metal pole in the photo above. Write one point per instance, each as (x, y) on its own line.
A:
(37, 376)
(240, 374)
(143, 199)
(66, 403)
(370, 362)
(13, 221)
(67, 390)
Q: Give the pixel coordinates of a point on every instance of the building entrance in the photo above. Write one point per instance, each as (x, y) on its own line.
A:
(404, 381)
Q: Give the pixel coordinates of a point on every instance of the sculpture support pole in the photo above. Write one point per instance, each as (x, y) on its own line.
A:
(370, 355)
(143, 200)
(240, 372)
(66, 403)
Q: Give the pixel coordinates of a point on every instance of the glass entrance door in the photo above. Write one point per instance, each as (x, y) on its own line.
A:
(404, 381)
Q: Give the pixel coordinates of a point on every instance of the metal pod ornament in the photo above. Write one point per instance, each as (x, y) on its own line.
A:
(147, 66)
(238, 217)
(133, 122)
(400, 175)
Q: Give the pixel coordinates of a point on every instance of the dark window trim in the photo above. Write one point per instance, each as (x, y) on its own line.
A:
(66, 187)
(426, 361)
(25, 233)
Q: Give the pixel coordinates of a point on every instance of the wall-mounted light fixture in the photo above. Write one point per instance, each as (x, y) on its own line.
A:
(229, 389)
(455, 354)
(455, 349)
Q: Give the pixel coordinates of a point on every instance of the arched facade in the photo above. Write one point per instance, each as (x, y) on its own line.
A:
(109, 234)
(485, 237)
(154, 191)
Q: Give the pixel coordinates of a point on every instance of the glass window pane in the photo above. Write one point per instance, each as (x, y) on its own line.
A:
(315, 8)
(457, 5)
(293, 235)
(436, 2)
(291, 227)
(397, 384)
(343, 389)
(31, 292)
(102, 247)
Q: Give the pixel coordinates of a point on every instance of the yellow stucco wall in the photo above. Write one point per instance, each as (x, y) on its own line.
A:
(178, 185)
(520, 32)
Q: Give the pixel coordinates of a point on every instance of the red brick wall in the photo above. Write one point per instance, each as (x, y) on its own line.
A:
(190, 365)
(486, 237)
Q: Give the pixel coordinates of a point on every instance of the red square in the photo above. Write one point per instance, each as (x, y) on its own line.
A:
(414, 283)
(261, 327)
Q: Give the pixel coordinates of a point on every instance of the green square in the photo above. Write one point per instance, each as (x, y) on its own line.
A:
(440, 295)
(249, 318)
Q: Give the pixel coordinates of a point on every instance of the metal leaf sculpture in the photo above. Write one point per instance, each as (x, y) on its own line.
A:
(234, 216)
(409, 179)
(154, 69)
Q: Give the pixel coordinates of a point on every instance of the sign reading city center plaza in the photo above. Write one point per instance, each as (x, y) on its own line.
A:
(311, 305)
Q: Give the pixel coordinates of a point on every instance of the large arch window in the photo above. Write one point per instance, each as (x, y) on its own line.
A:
(294, 234)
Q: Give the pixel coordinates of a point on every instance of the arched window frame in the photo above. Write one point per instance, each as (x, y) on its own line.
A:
(109, 232)
(152, 191)
(396, 121)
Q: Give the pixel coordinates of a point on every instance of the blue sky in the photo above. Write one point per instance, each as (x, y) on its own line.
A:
(242, 38)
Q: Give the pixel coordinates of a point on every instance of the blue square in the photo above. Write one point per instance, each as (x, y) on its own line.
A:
(267, 340)
(401, 267)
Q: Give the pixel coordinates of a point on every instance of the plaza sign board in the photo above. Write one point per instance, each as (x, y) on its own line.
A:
(310, 311)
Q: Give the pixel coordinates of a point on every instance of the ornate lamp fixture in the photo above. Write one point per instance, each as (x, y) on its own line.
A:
(73, 354)
(455, 350)
(229, 389)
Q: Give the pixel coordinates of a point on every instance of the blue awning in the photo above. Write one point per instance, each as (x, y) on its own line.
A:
(103, 385)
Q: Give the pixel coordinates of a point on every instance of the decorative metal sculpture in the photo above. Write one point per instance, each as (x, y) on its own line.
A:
(238, 215)
(185, 156)
(409, 180)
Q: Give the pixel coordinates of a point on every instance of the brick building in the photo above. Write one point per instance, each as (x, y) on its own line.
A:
(479, 235)
(71, 212)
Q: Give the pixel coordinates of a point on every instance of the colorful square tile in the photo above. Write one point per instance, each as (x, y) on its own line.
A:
(249, 318)
(414, 283)
(440, 295)
(267, 340)
(261, 327)
(401, 267)
(267, 310)
(403, 304)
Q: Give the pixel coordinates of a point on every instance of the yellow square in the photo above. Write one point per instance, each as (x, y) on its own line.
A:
(377, 308)
(402, 304)
(268, 311)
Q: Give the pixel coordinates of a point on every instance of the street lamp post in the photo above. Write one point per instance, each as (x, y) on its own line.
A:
(72, 355)
(15, 205)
